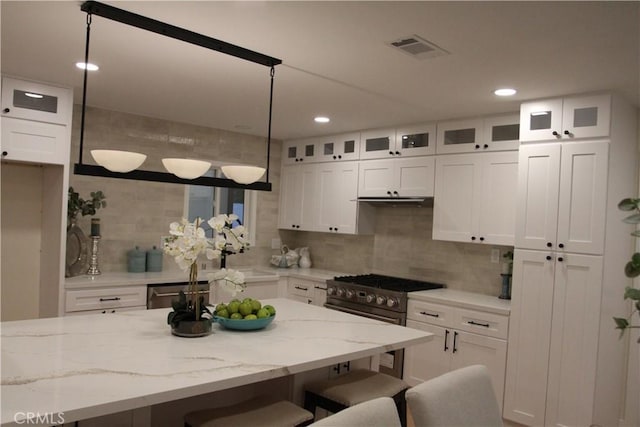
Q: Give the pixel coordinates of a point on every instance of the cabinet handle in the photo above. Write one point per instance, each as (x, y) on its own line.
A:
(110, 299)
(555, 133)
(455, 339)
(4, 153)
(6, 110)
(477, 146)
(297, 160)
(482, 239)
(334, 157)
(391, 152)
(320, 287)
(561, 245)
(396, 193)
(389, 192)
(446, 338)
(397, 153)
(335, 228)
(471, 322)
(302, 288)
(330, 228)
(339, 156)
(566, 132)
(549, 244)
(486, 146)
(560, 259)
(424, 313)
(309, 301)
(297, 226)
(548, 257)
(473, 237)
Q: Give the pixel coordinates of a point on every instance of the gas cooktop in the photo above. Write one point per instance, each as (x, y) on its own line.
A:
(389, 283)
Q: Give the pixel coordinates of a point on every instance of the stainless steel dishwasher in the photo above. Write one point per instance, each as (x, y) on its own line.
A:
(160, 295)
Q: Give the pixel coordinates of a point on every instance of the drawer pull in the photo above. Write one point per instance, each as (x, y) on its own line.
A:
(302, 288)
(471, 322)
(455, 339)
(321, 288)
(429, 314)
(175, 294)
(446, 338)
(110, 299)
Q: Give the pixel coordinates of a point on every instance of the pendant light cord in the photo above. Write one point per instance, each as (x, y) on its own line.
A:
(84, 86)
(273, 72)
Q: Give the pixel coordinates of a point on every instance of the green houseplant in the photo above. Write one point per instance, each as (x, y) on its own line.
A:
(76, 204)
(632, 268)
(188, 243)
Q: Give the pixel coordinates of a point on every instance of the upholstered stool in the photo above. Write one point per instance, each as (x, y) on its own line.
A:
(355, 387)
(263, 411)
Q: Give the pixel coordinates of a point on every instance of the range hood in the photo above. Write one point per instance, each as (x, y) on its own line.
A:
(398, 201)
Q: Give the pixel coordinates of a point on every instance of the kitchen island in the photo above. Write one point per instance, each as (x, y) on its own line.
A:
(78, 367)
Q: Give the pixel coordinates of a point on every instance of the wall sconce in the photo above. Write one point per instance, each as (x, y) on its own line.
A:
(183, 171)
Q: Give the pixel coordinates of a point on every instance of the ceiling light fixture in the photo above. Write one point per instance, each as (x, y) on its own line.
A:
(118, 161)
(183, 171)
(87, 66)
(507, 91)
(321, 119)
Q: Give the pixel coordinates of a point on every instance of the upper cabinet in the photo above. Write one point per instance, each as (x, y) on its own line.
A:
(298, 202)
(36, 122)
(417, 140)
(299, 151)
(496, 133)
(338, 147)
(566, 118)
(410, 177)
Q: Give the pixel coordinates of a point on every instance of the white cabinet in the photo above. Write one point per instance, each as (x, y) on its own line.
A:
(106, 299)
(410, 177)
(566, 119)
(337, 193)
(298, 198)
(562, 194)
(494, 133)
(338, 147)
(307, 291)
(416, 140)
(553, 338)
(463, 337)
(298, 151)
(474, 197)
(36, 121)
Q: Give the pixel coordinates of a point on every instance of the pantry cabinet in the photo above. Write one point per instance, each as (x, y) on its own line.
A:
(475, 197)
(562, 196)
(566, 118)
(495, 133)
(553, 337)
(339, 147)
(337, 192)
(410, 177)
(462, 337)
(298, 198)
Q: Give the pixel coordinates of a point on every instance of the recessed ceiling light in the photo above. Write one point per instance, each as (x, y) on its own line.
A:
(321, 119)
(89, 66)
(505, 92)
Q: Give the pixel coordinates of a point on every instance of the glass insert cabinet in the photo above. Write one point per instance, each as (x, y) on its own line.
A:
(418, 140)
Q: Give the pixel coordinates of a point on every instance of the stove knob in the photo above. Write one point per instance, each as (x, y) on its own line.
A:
(371, 298)
(331, 290)
(392, 302)
(350, 293)
(381, 300)
(340, 292)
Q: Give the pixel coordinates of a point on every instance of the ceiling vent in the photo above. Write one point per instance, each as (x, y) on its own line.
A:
(417, 47)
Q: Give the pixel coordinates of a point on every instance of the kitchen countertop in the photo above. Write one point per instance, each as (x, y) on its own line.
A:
(92, 365)
(474, 301)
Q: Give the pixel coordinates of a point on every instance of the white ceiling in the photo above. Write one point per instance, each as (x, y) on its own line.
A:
(335, 59)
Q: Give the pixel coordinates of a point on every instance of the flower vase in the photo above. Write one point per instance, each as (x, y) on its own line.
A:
(190, 312)
(192, 328)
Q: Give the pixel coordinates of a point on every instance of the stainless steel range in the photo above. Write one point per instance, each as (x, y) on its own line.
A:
(378, 297)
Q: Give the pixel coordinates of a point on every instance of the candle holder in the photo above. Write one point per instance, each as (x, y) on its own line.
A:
(93, 261)
(506, 286)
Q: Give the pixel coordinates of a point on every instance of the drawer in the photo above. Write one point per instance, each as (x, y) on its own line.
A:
(478, 322)
(99, 299)
(435, 314)
(301, 288)
(106, 311)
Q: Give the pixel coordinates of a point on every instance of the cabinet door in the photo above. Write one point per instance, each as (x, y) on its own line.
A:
(501, 133)
(574, 340)
(459, 136)
(586, 116)
(326, 194)
(378, 144)
(416, 140)
(529, 337)
(337, 194)
(297, 197)
(428, 360)
(29, 141)
(339, 147)
(376, 178)
(319, 294)
(455, 198)
(27, 100)
(472, 349)
(583, 197)
(541, 120)
(299, 151)
(414, 177)
(537, 196)
(497, 214)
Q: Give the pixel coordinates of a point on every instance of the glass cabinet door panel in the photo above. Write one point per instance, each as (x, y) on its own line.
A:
(328, 148)
(586, 116)
(377, 143)
(460, 136)
(349, 146)
(417, 140)
(541, 120)
(35, 101)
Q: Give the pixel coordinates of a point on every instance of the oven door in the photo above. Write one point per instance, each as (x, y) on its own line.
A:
(392, 362)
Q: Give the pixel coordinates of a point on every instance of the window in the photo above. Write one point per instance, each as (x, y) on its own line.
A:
(205, 202)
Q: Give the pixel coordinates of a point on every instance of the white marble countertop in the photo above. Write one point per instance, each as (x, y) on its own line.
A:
(471, 300)
(92, 365)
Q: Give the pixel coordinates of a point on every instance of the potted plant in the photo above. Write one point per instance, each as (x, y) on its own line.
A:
(77, 250)
(76, 204)
(188, 243)
(632, 268)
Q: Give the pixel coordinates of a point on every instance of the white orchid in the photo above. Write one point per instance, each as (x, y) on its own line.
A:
(230, 280)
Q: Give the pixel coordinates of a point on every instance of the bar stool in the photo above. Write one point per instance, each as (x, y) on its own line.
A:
(263, 411)
(357, 386)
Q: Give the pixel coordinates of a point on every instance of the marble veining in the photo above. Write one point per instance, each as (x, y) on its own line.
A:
(92, 365)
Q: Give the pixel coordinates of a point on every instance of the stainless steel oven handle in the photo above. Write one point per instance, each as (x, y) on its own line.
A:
(363, 314)
(174, 294)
